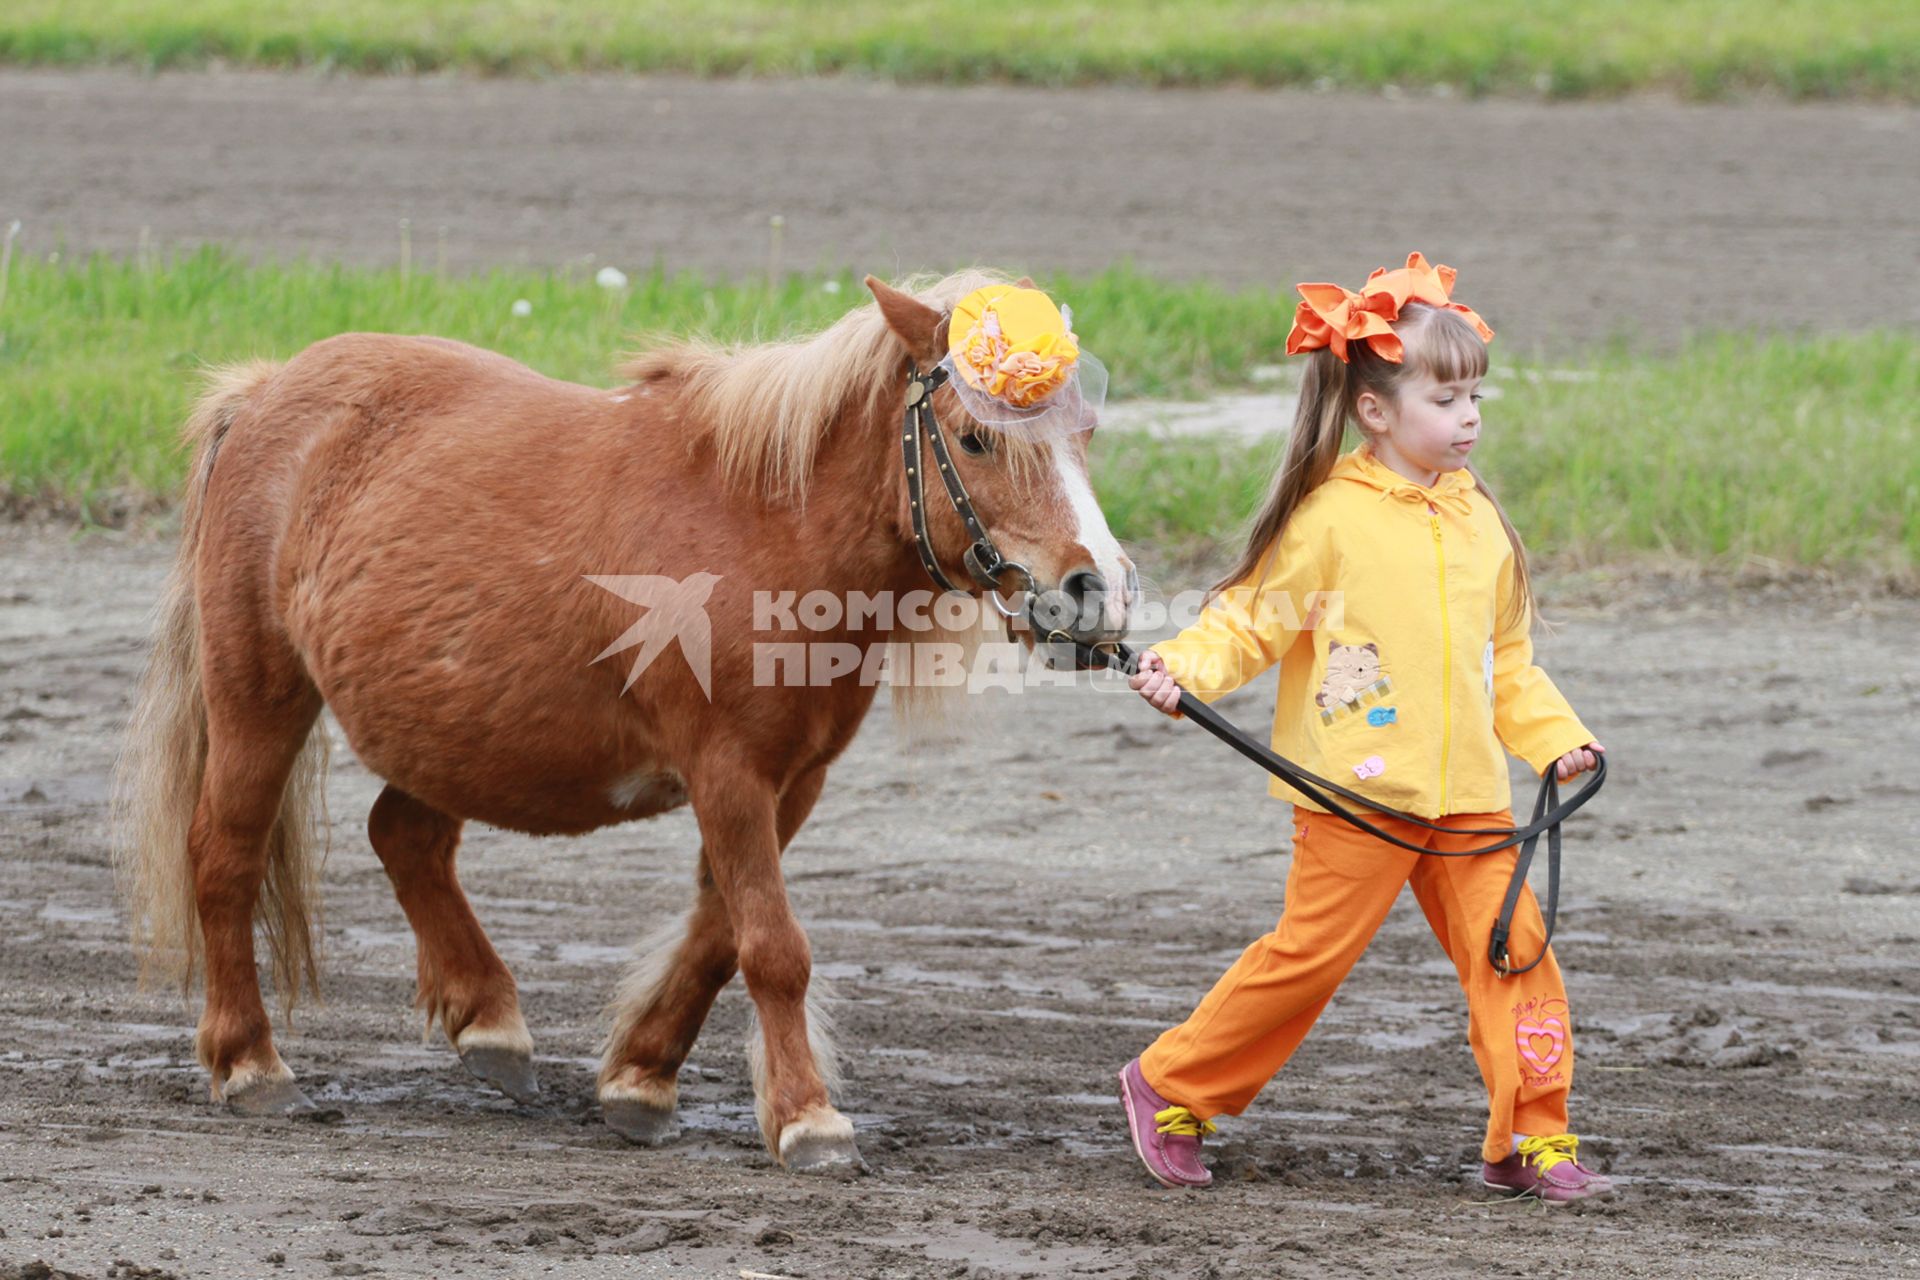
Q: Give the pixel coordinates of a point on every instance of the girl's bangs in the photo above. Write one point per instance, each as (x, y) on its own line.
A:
(1447, 347)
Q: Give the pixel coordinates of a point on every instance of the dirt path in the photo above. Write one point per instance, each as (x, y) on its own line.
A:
(1572, 222)
(1740, 935)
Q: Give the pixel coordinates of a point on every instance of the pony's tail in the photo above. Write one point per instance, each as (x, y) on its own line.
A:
(158, 776)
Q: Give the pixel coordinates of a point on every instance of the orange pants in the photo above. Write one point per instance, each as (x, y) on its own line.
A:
(1341, 886)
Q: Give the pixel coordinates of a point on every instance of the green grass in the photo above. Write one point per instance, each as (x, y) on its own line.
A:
(1801, 450)
(1805, 451)
(1565, 48)
(98, 358)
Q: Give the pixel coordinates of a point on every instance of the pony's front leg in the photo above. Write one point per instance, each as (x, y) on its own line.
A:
(665, 997)
(740, 832)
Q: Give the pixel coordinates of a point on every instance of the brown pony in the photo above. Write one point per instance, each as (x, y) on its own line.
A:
(404, 530)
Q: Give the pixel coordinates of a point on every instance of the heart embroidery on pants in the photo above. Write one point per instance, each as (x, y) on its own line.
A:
(1541, 1043)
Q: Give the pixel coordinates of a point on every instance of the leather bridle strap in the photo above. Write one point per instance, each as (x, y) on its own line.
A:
(983, 560)
(919, 401)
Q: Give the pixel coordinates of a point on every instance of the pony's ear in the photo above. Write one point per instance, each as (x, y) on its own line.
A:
(1025, 282)
(916, 324)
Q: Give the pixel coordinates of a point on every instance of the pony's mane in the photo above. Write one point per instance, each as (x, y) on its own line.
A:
(765, 406)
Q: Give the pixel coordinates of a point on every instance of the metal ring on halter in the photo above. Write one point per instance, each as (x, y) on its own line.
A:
(993, 592)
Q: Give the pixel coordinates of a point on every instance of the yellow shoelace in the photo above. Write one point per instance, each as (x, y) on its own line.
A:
(1544, 1153)
(1182, 1122)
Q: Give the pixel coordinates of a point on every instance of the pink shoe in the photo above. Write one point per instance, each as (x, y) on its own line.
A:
(1166, 1138)
(1546, 1167)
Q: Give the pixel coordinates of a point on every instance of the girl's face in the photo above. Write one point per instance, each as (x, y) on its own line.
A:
(1427, 429)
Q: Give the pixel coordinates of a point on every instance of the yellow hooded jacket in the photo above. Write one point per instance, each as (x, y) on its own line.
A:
(1383, 603)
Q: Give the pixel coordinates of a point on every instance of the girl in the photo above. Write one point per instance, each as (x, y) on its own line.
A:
(1393, 592)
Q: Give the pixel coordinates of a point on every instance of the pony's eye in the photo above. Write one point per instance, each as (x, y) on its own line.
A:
(971, 443)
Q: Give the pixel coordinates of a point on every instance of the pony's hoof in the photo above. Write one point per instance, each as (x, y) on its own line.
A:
(820, 1142)
(822, 1156)
(641, 1122)
(268, 1097)
(508, 1070)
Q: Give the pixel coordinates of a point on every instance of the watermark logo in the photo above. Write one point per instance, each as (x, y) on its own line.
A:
(676, 612)
(918, 633)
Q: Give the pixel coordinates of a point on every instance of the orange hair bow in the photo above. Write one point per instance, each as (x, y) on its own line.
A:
(1333, 317)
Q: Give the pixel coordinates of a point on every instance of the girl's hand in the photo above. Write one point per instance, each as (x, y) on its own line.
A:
(1151, 681)
(1577, 761)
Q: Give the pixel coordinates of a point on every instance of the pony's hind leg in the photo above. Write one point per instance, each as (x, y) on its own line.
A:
(232, 847)
(659, 1010)
(463, 984)
(666, 996)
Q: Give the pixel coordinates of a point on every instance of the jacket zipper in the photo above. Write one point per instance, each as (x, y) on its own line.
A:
(1446, 648)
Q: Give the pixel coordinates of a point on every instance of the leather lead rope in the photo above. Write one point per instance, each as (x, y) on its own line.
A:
(1549, 811)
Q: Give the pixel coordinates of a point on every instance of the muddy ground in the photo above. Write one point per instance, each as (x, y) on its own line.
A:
(1570, 221)
(1740, 932)
(1743, 910)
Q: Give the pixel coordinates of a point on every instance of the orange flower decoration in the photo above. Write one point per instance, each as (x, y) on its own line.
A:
(1333, 317)
(1013, 343)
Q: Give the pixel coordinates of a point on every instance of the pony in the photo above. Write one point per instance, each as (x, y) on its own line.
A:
(414, 534)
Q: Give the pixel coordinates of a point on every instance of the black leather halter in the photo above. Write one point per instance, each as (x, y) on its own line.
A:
(983, 560)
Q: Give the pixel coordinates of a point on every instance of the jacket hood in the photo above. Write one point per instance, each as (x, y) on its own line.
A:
(1453, 489)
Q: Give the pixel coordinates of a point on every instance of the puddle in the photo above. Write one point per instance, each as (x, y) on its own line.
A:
(913, 976)
(933, 1075)
(1129, 993)
(718, 1117)
(413, 1089)
(56, 913)
(355, 935)
(1039, 1015)
(840, 971)
(1745, 1188)
(535, 906)
(1831, 993)
(1422, 1038)
(592, 953)
(1767, 1149)
(1061, 1015)
(958, 933)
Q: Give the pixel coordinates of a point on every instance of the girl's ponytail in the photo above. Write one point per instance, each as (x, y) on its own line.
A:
(1313, 446)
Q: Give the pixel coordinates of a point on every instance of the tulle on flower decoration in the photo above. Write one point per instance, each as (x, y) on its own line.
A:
(1017, 365)
(1335, 317)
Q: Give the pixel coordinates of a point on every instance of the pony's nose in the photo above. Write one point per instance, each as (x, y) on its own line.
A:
(1086, 593)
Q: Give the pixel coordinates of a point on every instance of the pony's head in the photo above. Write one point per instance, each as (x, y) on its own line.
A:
(1030, 491)
(770, 410)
